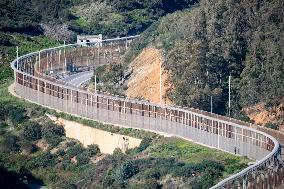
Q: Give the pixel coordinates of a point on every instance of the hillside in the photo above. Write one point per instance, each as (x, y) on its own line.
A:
(206, 44)
(144, 81)
(199, 43)
(61, 20)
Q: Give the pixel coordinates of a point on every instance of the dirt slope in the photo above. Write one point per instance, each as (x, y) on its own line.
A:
(144, 82)
(262, 114)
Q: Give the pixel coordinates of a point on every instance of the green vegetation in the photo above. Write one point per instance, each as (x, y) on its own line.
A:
(157, 164)
(110, 18)
(66, 164)
(26, 16)
(202, 45)
(191, 153)
(272, 126)
(25, 43)
(205, 44)
(122, 17)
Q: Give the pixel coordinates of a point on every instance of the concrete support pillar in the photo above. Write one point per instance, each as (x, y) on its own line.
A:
(97, 99)
(99, 58)
(71, 100)
(124, 109)
(108, 104)
(38, 61)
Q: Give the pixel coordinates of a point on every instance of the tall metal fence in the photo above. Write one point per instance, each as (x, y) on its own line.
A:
(35, 80)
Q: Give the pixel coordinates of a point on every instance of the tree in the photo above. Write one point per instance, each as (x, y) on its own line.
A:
(32, 131)
(10, 143)
(52, 133)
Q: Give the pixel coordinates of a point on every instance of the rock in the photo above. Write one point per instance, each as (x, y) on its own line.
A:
(58, 32)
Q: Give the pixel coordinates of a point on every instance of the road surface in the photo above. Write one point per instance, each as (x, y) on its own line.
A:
(79, 78)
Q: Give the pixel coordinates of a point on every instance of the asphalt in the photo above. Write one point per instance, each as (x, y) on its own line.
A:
(79, 78)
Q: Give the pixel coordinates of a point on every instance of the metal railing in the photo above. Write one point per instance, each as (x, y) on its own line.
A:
(206, 128)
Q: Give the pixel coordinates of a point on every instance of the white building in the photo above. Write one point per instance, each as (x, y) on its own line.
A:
(85, 40)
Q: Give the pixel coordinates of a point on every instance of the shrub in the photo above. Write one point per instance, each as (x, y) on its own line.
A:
(3, 128)
(82, 158)
(53, 140)
(117, 152)
(28, 146)
(207, 179)
(93, 149)
(17, 114)
(10, 143)
(71, 143)
(272, 126)
(52, 129)
(32, 131)
(52, 133)
(144, 144)
(46, 159)
(74, 151)
(60, 152)
(126, 171)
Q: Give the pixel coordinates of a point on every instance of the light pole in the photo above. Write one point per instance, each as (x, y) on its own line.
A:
(211, 104)
(95, 83)
(17, 51)
(229, 105)
(160, 81)
(64, 69)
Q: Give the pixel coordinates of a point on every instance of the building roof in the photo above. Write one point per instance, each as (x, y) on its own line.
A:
(85, 37)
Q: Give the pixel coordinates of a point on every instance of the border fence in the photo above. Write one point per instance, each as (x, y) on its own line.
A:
(35, 75)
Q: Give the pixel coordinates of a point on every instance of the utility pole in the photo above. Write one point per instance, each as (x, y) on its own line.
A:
(211, 105)
(17, 51)
(95, 83)
(160, 81)
(229, 95)
(47, 61)
(64, 69)
(39, 62)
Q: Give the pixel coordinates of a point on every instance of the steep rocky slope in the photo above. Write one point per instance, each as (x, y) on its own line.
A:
(144, 82)
(265, 115)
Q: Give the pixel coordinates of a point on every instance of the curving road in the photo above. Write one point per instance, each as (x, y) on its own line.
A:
(79, 78)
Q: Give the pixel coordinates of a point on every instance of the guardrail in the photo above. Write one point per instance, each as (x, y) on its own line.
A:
(33, 83)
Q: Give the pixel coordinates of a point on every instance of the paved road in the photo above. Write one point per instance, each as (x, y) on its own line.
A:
(79, 78)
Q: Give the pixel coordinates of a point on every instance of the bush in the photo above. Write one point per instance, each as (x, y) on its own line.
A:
(82, 158)
(3, 128)
(52, 133)
(32, 131)
(74, 151)
(46, 159)
(53, 140)
(17, 114)
(126, 171)
(60, 152)
(207, 179)
(144, 144)
(10, 143)
(52, 129)
(28, 147)
(272, 126)
(93, 149)
(14, 114)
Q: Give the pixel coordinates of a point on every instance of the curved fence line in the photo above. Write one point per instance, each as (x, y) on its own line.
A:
(34, 80)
